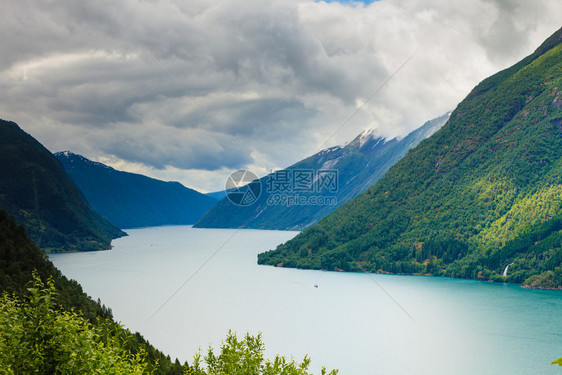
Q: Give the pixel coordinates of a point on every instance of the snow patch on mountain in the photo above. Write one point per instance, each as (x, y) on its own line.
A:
(366, 136)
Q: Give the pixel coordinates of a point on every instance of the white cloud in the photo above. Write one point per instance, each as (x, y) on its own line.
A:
(163, 87)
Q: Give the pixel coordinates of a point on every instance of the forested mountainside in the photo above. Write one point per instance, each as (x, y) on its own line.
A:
(481, 194)
(36, 190)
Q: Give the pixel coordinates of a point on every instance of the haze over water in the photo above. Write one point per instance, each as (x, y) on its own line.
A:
(430, 326)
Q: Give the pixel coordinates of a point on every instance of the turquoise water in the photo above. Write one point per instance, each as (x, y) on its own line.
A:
(359, 323)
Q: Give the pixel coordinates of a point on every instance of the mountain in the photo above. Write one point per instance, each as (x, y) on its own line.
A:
(481, 194)
(218, 195)
(36, 190)
(294, 198)
(131, 200)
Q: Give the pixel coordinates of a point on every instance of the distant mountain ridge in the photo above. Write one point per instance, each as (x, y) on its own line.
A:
(218, 195)
(36, 190)
(479, 199)
(131, 200)
(358, 165)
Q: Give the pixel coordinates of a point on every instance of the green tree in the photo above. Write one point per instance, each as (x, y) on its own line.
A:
(20, 257)
(37, 337)
(245, 357)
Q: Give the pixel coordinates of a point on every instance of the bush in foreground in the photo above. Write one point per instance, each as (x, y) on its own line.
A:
(38, 338)
(245, 357)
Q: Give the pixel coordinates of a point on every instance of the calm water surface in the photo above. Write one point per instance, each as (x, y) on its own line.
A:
(348, 322)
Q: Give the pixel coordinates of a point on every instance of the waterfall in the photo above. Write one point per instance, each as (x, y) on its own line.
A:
(505, 270)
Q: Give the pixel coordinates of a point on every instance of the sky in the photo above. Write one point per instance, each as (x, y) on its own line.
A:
(193, 90)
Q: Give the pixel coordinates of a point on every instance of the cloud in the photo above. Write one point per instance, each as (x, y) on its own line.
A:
(198, 88)
(193, 149)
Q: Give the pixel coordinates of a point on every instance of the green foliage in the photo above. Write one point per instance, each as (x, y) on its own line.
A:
(36, 190)
(19, 258)
(37, 337)
(245, 357)
(482, 193)
(557, 362)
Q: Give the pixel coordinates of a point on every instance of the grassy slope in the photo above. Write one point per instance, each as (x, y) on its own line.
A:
(465, 200)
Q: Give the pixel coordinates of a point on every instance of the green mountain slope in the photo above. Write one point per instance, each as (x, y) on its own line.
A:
(131, 200)
(357, 166)
(482, 193)
(35, 189)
